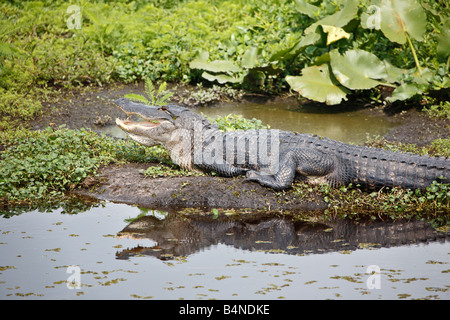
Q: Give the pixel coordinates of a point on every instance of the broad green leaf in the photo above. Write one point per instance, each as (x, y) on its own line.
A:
(202, 56)
(293, 51)
(200, 62)
(334, 33)
(398, 17)
(424, 77)
(324, 58)
(443, 47)
(403, 92)
(249, 58)
(393, 74)
(316, 84)
(221, 78)
(215, 66)
(338, 19)
(357, 69)
(306, 8)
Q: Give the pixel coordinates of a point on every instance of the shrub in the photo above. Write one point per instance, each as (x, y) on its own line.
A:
(49, 163)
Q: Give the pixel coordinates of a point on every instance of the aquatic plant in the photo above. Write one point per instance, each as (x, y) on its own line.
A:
(351, 45)
(158, 97)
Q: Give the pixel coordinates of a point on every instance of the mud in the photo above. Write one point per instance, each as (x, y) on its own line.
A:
(125, 184)
(94, 107)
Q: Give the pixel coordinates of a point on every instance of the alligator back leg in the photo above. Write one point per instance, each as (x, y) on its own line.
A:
(306, 162)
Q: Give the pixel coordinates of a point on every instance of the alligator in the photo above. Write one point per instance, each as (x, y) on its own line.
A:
(183, 234)
(272, 157)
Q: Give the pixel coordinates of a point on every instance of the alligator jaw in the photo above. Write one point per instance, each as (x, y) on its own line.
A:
(132, 127)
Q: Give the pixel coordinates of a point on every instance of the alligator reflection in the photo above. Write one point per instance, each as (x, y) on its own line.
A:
(180, 235)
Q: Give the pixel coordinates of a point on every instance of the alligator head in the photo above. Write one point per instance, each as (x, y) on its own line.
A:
(168, 125)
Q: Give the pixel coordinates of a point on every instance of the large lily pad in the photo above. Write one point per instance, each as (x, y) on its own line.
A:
(398, 17)
(393, 74)
(216, 66)
(443, 47)
(316, 84)
(221, 78)
(357, 69)
(405, 91)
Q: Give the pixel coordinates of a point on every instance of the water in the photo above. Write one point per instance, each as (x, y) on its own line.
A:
(345, 125)
(161, 256)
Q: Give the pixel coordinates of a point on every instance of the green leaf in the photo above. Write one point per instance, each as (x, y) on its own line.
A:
(393, 74)
(221, 78)
(136, 97)
(316, 84)
(162, 88)
(200, 62)
(202, 56)
(403, 92)
(357, 69)
(307, 8)
(443, 47)
(249, 59)
(338, 19)
(294, 50)
(149, 88)
(398, 17)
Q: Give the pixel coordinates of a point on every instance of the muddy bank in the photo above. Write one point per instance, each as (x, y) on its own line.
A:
(94, 108)
(125, 184)
(419, 129)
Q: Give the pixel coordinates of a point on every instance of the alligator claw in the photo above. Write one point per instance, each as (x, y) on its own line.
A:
(252, 175)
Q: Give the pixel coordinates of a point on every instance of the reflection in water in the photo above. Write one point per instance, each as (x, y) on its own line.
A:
(68, 204)
(178, 235)
(36, 250)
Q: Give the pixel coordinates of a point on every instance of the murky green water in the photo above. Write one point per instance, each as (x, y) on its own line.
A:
(98, 254)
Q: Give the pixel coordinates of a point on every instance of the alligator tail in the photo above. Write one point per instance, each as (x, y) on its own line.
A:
(394, 169)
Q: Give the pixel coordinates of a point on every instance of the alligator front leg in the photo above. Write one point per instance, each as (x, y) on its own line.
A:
(306, 162)
(223, 169)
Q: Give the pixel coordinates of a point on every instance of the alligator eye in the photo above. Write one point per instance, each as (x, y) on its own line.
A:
(163, 108)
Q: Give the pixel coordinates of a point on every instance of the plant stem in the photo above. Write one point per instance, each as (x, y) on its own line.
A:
(414, 54)
(386, 84)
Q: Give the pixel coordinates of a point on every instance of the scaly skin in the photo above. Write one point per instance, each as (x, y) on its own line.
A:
(196, 144)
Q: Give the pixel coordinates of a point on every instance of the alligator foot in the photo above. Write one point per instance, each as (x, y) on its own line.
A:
(307, 163)
(270, 181)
